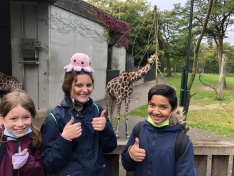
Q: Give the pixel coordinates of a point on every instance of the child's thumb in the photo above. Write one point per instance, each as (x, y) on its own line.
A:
(71, 121)
(136, 142)
(25, 150)
(103, 113)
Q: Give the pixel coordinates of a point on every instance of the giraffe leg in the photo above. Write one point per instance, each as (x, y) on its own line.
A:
(112, 107)
(118, 118)
(108, 105)
(127, 102)
(126, 127)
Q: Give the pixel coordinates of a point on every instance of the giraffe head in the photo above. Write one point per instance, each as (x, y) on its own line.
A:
(153, 59)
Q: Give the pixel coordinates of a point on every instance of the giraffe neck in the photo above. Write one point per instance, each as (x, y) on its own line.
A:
(136, 75)
(9, 83)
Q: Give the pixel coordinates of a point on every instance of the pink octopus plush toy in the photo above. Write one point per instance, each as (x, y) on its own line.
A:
(79, 61)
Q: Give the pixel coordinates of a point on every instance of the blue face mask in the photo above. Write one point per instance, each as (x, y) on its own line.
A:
(7, 133)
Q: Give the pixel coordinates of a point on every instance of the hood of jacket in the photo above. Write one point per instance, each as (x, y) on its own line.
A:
(177, 117)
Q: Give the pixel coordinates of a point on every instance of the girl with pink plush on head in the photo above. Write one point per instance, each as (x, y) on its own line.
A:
(20, 141)
(77, 132)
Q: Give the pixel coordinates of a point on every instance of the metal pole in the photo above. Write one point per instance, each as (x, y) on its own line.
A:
(182, 86)
(184, 79)
(156, 43)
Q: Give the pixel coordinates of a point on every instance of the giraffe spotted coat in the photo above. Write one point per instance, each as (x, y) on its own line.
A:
(8, 83)
(120, 88)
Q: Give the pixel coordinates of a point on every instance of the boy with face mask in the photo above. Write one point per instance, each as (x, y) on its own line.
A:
(152, 151)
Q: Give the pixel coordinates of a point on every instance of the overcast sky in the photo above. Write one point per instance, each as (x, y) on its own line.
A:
(168, 5)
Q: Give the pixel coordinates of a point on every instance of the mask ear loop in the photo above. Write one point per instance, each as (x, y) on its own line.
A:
(76, 102)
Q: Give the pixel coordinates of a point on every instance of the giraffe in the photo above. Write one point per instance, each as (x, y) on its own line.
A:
(120, 88)
(8, 83)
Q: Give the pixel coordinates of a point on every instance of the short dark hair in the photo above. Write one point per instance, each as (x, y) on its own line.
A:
(70, 77)
(166, 91)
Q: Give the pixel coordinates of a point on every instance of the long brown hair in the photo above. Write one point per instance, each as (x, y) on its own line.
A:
(19, 97)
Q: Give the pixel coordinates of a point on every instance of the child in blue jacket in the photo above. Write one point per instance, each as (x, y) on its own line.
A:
(78, 132)
(152, 152)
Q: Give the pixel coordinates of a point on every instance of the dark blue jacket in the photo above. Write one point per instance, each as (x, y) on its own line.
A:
(159, 144)
(83, 155)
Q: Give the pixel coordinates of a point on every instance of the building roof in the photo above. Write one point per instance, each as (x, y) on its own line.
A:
(119, 31)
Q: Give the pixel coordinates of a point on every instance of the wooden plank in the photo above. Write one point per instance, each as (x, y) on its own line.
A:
(200, 162)
(232, 165)
(219, 165)
(213, 147)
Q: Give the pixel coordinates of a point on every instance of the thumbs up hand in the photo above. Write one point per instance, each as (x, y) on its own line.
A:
(71, 131)
(136, 153)
(99, 123)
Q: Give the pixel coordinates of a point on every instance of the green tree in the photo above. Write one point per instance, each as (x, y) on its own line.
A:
(220, 20)
(167, 37)
(184, 13)
(173, 38)
(196, 51)
(138, 15)
(210, 59)
(229, 50)
(210, 56)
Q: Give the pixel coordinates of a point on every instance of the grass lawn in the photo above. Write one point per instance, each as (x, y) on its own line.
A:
(219, 120)
(204, 95)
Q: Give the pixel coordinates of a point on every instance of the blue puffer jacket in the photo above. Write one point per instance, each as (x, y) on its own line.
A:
(159, 145)
(82, 156)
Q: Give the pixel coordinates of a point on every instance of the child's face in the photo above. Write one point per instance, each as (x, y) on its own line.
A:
(82, 89)
(159, 108)
(17, 121)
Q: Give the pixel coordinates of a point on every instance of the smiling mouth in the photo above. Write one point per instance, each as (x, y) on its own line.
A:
(156, 117)
(83, 95)
(20, 130)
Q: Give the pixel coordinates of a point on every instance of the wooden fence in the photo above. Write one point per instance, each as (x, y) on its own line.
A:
(212, 158)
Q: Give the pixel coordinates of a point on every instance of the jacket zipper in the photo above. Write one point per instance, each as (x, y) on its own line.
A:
(19, 151)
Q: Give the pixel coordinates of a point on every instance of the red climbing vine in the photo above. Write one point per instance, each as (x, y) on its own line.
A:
(119, 29)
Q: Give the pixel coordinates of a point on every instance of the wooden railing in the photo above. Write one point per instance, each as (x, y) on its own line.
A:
(212, 158)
